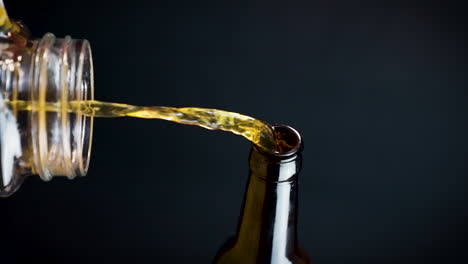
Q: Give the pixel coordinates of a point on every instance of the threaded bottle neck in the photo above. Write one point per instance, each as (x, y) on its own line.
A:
(61, 71)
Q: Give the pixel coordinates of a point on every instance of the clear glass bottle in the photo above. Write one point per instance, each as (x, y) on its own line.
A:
(267, 230)
(40, 142)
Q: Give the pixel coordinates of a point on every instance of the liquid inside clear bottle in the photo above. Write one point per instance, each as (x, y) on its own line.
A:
(41, 142)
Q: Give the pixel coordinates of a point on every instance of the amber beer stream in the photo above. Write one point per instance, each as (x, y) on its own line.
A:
(256, 131)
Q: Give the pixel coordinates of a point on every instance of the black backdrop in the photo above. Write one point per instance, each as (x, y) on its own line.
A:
(378, 92)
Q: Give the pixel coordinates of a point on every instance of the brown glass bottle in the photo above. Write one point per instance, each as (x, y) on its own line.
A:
(267, 230)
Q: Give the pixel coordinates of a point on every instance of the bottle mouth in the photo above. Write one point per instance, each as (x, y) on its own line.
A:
(63, 72)
(283, 165)
(289, 142)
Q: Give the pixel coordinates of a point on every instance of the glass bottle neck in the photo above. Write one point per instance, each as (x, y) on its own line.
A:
(267, 227)
(268, 223)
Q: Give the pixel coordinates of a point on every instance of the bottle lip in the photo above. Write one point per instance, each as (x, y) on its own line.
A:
(291, 136)
(63, 72)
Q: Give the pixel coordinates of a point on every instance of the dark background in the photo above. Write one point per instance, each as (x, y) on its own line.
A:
(377, 90)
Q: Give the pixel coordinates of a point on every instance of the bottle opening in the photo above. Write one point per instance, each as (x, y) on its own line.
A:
(288, 139)
(281, 165)
(63, 72)
(85, 91)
